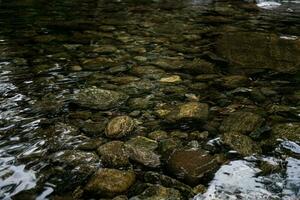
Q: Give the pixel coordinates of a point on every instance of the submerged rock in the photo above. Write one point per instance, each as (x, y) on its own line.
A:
(119, 127)
(157, 192)
(170, 79)
(141, 150)
(234, 81)
(110, 182)
(254, 50)
(242, 122)
(188, 111)
(166, 181)
(75, 157)
(192, 165)
(105, 49)
(114, 154)
(243, 144)
(99, 99)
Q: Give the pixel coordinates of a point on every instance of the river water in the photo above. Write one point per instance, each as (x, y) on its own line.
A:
(241, 58)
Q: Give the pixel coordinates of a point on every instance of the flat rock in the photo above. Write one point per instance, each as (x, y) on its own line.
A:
(242, 122)
(110, 182)
(141, 150)
(254, 50)
(192, 165)
(99, 99)
(243, 144)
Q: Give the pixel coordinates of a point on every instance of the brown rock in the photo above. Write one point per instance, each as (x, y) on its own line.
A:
(110, 182)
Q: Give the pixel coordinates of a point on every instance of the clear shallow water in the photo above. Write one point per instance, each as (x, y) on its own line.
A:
(43, 43)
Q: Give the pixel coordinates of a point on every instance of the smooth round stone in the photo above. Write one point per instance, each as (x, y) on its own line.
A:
(119, 127)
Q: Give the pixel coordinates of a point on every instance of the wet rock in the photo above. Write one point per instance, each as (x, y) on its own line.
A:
(207, 77)
(118, 69)
(167, 146)
(84, 115)
(289, 131)
(179, 134)
(188, 111)
(110, 182)
(139, 103)
(93, 128)
(20, 61)
(192, 165)
(199, 189)
(75, 68)
(75, 157)
(125, 79)
(105, 49)
(168, 64)
(199, 66)
(120, 197)
(119, 127)
(95, 64)
(242, 122)
(200, 136)
(91, 144)
(268, 168)
(170, 79)
(166, 181)
(243, 144)
(140, 58)
(141, 150)
(234, 81)
(158, 135)
(157, 192)
(107, 28)
(275, 53)
(114, 154)
(99, 99)
(138, 87)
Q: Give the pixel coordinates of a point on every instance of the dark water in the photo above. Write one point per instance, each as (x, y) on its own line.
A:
(232, 55)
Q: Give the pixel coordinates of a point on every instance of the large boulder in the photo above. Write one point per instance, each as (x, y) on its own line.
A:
(254, 50)
(99, 99)
(110, 182)
(192, 165)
